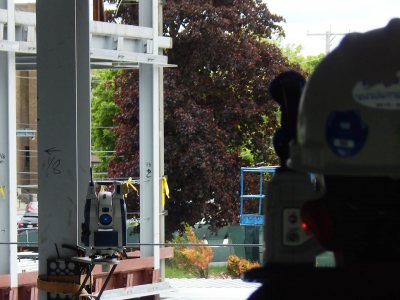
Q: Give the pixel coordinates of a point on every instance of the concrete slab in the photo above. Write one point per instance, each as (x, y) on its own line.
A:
(209, 289)
(188, 289)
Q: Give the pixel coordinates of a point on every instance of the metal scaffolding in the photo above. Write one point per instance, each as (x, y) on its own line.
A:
(62, 44)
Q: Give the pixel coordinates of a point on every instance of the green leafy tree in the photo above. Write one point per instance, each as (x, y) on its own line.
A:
(307, 63)
(103, 112)
(217, 105)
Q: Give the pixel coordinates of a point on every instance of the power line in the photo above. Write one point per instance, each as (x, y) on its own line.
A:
(329, 37)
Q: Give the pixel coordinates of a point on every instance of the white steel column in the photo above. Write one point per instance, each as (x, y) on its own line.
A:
(4, 165)
(12, 146)
(8, 166)
(149, 126)
(156, 140)
(63, 122)
(161, 148)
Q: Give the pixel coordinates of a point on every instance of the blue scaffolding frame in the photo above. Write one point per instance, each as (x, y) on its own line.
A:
(256, 218)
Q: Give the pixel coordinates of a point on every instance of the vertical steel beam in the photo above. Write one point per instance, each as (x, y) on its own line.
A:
(4, 166)
(83, 105)
(12, 146)
(149, 119)
(156, 140)
(8, 159)
(4, 214)
(63, 122)
(161, 149)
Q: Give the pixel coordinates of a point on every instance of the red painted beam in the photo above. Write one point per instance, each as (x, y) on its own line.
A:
(130, 272)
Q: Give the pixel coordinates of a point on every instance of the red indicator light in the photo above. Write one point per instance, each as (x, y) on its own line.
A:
(319, 223)
(304, 226)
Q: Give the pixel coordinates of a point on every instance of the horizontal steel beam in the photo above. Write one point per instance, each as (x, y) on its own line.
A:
(97, 28)
(113, 29)
(125, 56)
(113, 45)
(18, 46)
(21, 18)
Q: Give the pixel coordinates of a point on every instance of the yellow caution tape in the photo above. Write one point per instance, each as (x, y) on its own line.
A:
(165, 190)
(2, 191)
(126, 186)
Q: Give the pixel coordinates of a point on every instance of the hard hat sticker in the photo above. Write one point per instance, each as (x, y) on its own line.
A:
(379, 95)
(346, 133)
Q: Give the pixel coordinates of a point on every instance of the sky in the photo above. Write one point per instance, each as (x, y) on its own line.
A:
(338, 16)
(305, 17)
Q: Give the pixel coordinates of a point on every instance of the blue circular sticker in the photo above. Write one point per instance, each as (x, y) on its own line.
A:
(346, 133)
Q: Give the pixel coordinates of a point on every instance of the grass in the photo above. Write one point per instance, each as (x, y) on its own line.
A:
(173, 272)
(216, 271)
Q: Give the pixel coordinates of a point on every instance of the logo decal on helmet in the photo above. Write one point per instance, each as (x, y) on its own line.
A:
(346, 133)
(380, 95)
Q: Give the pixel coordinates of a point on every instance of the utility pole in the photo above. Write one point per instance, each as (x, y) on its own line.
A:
(329, 36)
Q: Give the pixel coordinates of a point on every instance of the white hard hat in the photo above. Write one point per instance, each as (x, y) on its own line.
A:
(349, 114)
